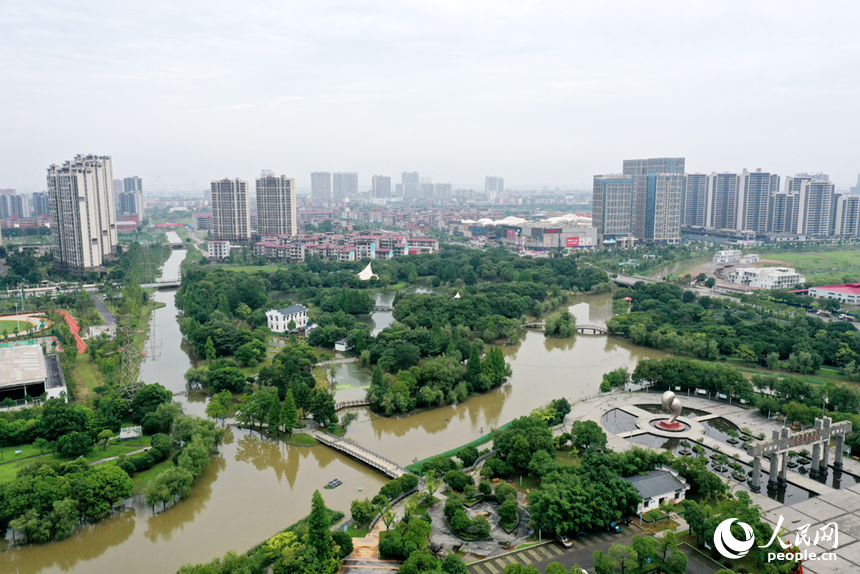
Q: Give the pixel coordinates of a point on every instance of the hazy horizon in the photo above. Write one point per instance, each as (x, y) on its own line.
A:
(540, 93)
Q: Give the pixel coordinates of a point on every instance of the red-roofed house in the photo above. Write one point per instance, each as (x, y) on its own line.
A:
(846, 293)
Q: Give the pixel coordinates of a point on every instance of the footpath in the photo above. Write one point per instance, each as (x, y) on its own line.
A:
(75, 328)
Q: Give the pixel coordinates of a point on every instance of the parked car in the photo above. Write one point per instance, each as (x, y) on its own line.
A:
(613, 528)
(565, 541)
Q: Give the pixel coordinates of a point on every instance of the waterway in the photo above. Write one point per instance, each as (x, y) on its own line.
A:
(257, 486)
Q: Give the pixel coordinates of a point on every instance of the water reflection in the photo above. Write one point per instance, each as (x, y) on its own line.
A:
(161, 526)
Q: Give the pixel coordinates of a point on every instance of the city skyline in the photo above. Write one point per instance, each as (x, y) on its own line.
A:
(375, 88)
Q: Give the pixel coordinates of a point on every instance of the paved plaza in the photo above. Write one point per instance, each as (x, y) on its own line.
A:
(841, 507)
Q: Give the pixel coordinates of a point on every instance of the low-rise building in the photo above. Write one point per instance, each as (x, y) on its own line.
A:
(748, 259)
(727, 256)
(658, 486)
(846, 293)
(219, 249)
(767, 277)
(278, 320)
(202, 220)
(27, 371)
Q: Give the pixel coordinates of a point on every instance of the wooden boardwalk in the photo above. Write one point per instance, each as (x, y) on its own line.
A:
(361, 454)
(585, 328)
(349, 404)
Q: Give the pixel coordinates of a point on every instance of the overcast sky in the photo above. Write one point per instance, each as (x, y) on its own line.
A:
(541, 93)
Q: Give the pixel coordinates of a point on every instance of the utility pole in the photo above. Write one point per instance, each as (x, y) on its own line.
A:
(129, 361)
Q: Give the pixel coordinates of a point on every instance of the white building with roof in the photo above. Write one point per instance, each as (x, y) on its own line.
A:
(278, 320)
(727, 256)
(219, 249)
(658, 486)
(767, 277)
(27, 371)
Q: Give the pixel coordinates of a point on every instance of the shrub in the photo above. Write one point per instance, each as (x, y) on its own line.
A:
(344, 541)
(408, 482)
(457, 480)
(391, 489)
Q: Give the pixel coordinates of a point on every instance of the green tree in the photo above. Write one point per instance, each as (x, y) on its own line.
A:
(319, 533)
(362, 511)
(209, 349)
(104, 437)
(289, 413)
(322, 406)
(219, 405)
(508, 513)
(275, 414)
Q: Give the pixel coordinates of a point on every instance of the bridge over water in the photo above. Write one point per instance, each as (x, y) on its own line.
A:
(370, 458)
(585, 328)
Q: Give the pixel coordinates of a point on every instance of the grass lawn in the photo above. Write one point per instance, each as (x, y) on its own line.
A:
(661, 525)
(300, 439)
(320, 373)
(141, 479)
(14, 326)
(566, 458)
(12, 463)
(357, 531)
(86, 378)
(248, 371)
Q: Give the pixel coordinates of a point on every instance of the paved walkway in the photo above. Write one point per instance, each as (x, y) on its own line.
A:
(75, 328)
(108, 317)
(360, 453)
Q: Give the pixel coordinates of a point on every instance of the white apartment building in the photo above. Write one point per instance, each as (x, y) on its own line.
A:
(276, 205)
(727, 256)
(767, 277)
(231, 211)
(219, 249)
(278, 320)
(83, 213)
(321, 185)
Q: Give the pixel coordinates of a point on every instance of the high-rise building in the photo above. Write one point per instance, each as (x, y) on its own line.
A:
(381, 186)
(83, 214)
(856, 189)
(612, 207)
(723, 200)
(40, 204)
(344, 185)
(755, 191)
(640, 169)
(847, 220)
(783, 217)
(663, 208)
(133, 183)
(13, 205)
(231, 212)
(411, 183)
(494, 186)
(276, 206)
(815, 203)
(321, 185)
(695, 200)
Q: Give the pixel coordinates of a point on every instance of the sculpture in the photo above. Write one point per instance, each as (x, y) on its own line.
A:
(671, 405)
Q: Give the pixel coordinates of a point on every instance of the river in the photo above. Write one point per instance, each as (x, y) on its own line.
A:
(257, 486)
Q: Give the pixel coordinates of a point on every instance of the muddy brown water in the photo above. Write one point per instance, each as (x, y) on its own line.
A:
(256, 486)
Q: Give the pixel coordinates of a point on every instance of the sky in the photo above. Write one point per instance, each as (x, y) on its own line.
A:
(542, 93)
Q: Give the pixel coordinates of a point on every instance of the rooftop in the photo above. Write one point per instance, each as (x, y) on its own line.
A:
(22, 365)
(850, 288)
(293, 309)
(655, 483)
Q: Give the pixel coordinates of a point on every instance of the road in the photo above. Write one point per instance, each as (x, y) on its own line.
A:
(108, 317)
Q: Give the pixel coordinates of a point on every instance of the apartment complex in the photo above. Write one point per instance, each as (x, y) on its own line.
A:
(494, 187)
(14, 205)
(276, 205)
(644, 202)
(231, 211)
(767, 277)
(321, 185)
(653, 199)
(381, 186)
(410, 184)
(343, 247)
(344, 185)
(83, 214)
